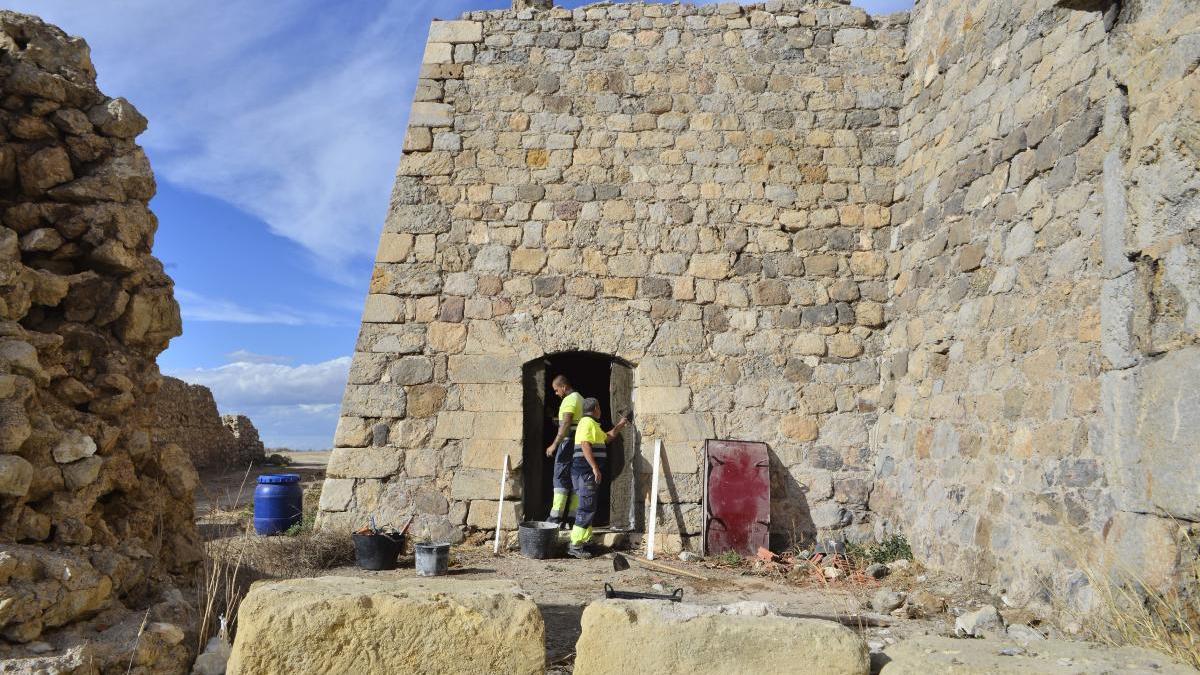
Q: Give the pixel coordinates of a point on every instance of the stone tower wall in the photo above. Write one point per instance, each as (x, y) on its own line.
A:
(703, 192)
(1045, 275)
(945, 266)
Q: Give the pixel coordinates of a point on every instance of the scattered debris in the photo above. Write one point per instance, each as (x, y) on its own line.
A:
(688, 556)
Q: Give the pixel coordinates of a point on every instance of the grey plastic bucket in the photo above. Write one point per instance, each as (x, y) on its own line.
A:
(432, 560)
(538, 539)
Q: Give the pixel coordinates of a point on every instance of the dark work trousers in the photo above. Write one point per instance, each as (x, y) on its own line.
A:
(585, 486)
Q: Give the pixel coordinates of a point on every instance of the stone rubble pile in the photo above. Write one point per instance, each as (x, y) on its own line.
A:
(96, 527)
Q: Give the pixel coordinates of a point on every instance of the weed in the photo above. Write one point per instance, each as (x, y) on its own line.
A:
(891, 549)
(730, 559)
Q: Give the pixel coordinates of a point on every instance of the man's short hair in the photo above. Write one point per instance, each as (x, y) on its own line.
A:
(590, 404)
(561, 379)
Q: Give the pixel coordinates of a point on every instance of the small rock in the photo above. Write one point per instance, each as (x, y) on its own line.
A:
(1024, 633)
(922, 603)
(688, 556)
(659, 588)
(885, 600)
(832, 573)
(74, 446)
(877, 570)
(897, 565)
(1011, 651)
(980, 623)
(39, 647)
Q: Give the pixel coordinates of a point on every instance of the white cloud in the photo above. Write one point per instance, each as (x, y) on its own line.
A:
(246, 356)
(237, 386)
(198, 307)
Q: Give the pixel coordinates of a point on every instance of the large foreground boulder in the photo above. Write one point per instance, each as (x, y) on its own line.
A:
(354, 625)
(638, 636)
(937, 655)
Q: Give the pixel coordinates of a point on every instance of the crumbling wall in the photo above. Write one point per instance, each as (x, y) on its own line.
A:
(186, 415)
(700, 191)
(95, 517)
(1044, 295)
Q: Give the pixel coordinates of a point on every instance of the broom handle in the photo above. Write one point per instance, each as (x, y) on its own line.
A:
(500, 504)
(653, 500)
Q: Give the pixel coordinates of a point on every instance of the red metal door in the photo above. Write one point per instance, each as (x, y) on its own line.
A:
(737, 497)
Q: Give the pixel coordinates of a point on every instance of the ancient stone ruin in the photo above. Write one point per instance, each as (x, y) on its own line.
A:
(96, 523)
(186, 415)
(944, 263)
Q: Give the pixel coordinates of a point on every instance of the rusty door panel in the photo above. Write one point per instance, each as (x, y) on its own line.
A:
(737, 497)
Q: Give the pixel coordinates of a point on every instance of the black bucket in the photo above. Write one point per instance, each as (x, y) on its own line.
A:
(377, 551)
(538, 539)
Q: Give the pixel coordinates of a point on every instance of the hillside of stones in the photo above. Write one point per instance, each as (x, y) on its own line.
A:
(97, 536)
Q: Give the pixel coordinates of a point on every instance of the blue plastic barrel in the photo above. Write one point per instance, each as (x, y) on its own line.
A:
(278, 503)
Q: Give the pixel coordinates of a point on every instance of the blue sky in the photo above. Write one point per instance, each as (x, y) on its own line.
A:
(275, 130)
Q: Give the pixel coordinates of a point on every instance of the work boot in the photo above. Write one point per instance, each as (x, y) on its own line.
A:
(578, 551)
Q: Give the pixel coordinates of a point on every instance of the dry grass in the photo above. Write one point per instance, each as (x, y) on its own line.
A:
(234, 557)
(1128, 611)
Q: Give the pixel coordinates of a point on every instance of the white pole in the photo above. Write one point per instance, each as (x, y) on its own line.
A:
(500, 504)
(653, 500)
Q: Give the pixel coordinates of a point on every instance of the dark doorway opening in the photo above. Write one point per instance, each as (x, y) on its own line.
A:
(593, 375)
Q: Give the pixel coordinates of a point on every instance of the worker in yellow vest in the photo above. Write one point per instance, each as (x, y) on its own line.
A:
(588, 464)
(570, 411)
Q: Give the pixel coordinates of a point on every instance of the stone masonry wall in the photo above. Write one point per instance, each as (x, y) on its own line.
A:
(186, 415)
(701, 191)
(946, 266)
(1028, 420)
(96, 527)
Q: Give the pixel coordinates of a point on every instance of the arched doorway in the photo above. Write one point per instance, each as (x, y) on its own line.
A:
(601, 376)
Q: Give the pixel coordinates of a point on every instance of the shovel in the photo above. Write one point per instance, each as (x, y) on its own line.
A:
(621, 563)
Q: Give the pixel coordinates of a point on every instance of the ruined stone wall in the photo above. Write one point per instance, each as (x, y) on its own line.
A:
(95, 516)
(1020, 283)
(703, 192)
(186, 415)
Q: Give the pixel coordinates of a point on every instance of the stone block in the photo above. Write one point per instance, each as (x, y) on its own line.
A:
(498, 426)
(469, 484)
(383, 309)
(373, 400)
(455, 32)
(656, 400)
(447, 338)
(355, 625)
(491, 397)
(681, 427)
(657, 372)
(665, 637)
(437, 53)
(336, 494)
(484, 369)
(481, 515)
(394, 247)
(454, 424)
(709, 266)
(488, 453)
(365, 462)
